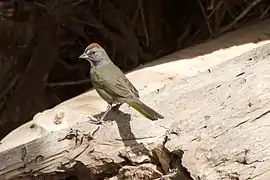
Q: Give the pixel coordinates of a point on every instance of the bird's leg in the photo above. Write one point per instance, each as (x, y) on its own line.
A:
(117, 106)
(100, 120)
(109, 107)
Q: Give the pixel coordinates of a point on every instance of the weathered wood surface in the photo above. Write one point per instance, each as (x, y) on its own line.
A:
(114, 145)
(218, 120)
(215, 126)
(223, 125)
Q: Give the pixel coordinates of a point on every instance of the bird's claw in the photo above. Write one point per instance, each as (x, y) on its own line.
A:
(116, 107)
(96, 121)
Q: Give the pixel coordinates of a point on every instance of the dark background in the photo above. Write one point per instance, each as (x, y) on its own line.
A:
(40, 42)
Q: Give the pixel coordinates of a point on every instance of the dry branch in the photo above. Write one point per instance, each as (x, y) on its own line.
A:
(242, 15)
(206, 19)
(69, 83)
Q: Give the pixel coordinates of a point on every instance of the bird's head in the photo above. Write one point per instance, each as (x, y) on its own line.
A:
(95, 54)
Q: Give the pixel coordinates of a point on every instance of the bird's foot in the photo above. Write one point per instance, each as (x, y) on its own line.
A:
(116, 107)
(97, 121)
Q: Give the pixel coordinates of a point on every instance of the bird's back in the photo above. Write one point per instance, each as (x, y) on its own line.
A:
(109, 77)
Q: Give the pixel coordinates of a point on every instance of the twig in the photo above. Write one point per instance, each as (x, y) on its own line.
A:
(38, 4)
(210, 5)
(215, 9)
(265, 12)
(205, 18)
(144, 23)
(68, 83)
(94, 132)
(135, 16)
(232, 14)
(183, 36)
(10, 85)
(253, 4)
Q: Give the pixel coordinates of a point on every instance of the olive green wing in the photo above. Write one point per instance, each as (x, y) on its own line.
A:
(116, 83)
(130, 86)
(122, 88)
(123, 82)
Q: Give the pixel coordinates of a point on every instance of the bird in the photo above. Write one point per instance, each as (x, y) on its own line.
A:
(112, 85)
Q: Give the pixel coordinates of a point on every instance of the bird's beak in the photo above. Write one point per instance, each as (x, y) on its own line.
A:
(84, 56)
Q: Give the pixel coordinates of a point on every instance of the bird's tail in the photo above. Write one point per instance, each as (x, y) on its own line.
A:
(144, 110)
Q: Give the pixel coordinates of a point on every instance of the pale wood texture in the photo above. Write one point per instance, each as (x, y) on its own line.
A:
(224, 121)
(215, 127)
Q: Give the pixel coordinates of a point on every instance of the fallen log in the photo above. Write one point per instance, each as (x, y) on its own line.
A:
(215, 127)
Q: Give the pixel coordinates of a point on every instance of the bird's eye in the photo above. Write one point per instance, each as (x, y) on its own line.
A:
(90, 52)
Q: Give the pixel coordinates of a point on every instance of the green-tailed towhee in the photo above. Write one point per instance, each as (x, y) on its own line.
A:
(111, 83)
